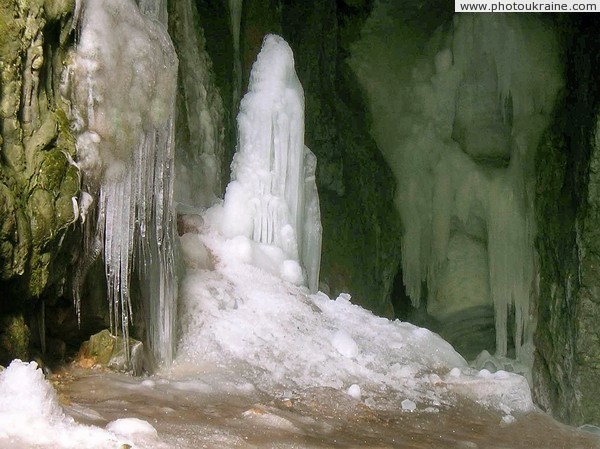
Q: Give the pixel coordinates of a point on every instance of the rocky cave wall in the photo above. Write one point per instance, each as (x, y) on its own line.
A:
(39, 183)
(567, 363)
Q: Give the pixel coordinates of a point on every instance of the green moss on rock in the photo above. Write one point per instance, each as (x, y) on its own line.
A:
(41, 211)
(37, 182)
(14, 338)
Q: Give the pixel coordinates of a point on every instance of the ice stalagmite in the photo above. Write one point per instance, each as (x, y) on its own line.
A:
(273, 198)
(122, 82)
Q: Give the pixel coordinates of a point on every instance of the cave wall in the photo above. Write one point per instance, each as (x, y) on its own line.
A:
(39, 183)
(567, 363)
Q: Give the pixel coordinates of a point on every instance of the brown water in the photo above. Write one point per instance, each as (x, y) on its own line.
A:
(194, 415)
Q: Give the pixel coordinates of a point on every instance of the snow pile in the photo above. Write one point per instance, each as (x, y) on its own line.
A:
(132, 427)
(272, 198)
(458, 115)
(30, 413)
(122, 82)
(280, 337)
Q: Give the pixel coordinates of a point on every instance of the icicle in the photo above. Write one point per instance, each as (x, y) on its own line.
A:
(42, 326)
(156, 9)
(312, 230)
(124, 118)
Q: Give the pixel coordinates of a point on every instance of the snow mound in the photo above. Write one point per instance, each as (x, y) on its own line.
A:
(279, 336)
(31, 415)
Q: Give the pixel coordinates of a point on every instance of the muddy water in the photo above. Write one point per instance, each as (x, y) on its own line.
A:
(208, 414)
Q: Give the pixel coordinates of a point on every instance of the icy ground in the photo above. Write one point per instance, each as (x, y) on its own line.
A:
(263, 363)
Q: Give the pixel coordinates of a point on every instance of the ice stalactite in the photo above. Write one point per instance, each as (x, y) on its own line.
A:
(273, 197)
(459, 124)
(200, 148)
(122, 82)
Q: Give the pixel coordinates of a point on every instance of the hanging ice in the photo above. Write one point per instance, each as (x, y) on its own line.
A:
(273, 198)
(122, 83)
(459, 124)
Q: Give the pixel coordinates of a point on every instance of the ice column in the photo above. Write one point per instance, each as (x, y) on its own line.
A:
(273, 172)
(122, 82)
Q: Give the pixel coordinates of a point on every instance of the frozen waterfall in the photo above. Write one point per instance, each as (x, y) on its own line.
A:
(272, 198)
(122, 83)
(458, 115)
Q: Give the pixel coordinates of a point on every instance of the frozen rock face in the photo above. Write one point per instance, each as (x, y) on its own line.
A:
(481, 127)
(122, 84)
(459, 124)
(272, 197)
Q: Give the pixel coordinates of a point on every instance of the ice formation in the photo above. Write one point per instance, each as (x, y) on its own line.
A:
(242, 320)
(459, 123)
(272, 198)
(200, 146)
(122, 82)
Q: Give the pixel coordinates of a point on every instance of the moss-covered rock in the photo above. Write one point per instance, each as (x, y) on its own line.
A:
(14, 338)
(109, 351)
(37, 180)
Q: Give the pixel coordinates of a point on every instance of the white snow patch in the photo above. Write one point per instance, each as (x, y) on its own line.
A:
(131, 427)
(30, 415)
(344, 344)
(354, 391)
(279, 337)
